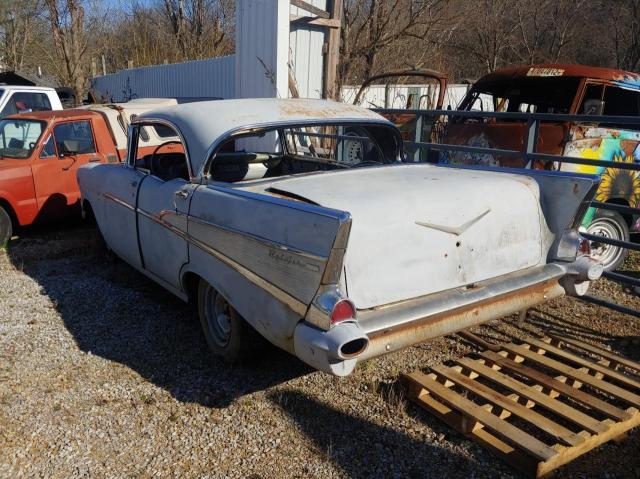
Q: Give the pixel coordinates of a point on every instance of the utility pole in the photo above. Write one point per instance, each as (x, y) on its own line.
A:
(332, 56)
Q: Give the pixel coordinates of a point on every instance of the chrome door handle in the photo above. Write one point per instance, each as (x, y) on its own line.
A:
(184, 194)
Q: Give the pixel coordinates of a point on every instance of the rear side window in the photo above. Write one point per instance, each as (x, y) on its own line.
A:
(164, 131)
(25, 102)
(74, 136)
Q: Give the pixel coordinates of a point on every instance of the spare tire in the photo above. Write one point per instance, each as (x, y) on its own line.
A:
(610, 225)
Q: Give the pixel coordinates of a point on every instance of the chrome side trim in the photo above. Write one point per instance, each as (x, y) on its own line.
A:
(336, 256)
(159, 219)
(255, 238)
(109, 196)
(297, 306)
(341, 216)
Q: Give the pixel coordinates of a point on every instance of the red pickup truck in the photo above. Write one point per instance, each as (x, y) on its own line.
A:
(40, 153)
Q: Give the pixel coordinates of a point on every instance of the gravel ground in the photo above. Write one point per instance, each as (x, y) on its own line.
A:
(102, 373)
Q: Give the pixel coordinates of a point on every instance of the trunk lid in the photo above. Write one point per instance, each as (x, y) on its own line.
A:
(420, 229)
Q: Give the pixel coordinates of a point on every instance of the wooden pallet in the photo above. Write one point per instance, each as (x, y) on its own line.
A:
(537, 405)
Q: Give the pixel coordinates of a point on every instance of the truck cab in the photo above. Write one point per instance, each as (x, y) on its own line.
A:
(27, 99)
(40, 153)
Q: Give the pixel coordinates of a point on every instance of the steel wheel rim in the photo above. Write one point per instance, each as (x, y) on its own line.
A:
(217, 313)
(605, 253)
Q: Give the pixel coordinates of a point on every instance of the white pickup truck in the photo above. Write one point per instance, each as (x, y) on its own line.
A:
(27, 99)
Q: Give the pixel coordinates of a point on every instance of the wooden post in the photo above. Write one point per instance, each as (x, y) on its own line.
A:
(332, 57)
(94, 68)
(104, 66)
(129, 64)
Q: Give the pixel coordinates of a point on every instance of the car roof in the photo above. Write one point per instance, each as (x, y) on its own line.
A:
(203, 123)
(619, 77)
(4, 86)
(49, 115)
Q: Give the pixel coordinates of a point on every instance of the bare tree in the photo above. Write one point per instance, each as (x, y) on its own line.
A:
(374, 30)
(487, 34)
(198, 25)
(544, 29)
(624, 23)
(17, 21)
(67, 19)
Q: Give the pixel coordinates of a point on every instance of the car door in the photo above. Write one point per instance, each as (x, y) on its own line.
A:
(163, 204)
(75, 142)
(115, 208)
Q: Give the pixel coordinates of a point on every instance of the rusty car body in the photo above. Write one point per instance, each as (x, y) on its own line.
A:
(298, 220)
(561, 89)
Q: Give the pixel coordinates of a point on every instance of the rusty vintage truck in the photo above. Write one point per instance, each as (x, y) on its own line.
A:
(40, 152)
(561, 89)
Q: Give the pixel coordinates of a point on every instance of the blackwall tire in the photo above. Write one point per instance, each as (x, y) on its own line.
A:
(228, 335)
(6, 227)
(612, 225)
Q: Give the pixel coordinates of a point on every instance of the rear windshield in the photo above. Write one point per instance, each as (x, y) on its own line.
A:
(524, 94)
(19, 137)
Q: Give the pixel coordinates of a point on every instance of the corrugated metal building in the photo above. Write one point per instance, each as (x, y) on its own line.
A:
(214, 77)
(265, 49)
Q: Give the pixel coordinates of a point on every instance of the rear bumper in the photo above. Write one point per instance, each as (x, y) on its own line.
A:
(410, 322)
(390, 328)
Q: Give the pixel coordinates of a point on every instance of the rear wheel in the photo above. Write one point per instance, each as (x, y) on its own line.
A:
(227, 333)
(6, 227)
(610, 225)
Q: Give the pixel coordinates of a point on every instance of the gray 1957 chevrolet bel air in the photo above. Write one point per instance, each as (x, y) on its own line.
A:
(299, 220)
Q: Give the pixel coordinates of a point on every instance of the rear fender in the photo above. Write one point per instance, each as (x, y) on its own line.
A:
(286, 248)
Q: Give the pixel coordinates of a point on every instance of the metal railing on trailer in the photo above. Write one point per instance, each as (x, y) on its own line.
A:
(431, 125)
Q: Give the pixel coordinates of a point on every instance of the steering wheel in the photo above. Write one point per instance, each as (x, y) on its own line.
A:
(152, 162)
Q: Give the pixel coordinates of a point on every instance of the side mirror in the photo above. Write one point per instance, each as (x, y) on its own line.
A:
(593, 107)
(70, 148)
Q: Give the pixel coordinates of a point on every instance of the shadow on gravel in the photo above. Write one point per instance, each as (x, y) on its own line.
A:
(363, 449)
(115, 312)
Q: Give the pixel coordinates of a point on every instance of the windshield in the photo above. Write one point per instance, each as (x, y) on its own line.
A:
(524, 95)
(19, 137)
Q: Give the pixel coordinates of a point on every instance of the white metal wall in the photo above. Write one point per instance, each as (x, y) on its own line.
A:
(305, 53)
(214, 77)
(262, 45)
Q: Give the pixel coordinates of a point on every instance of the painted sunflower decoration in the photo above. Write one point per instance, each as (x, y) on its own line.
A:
(618, 183)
